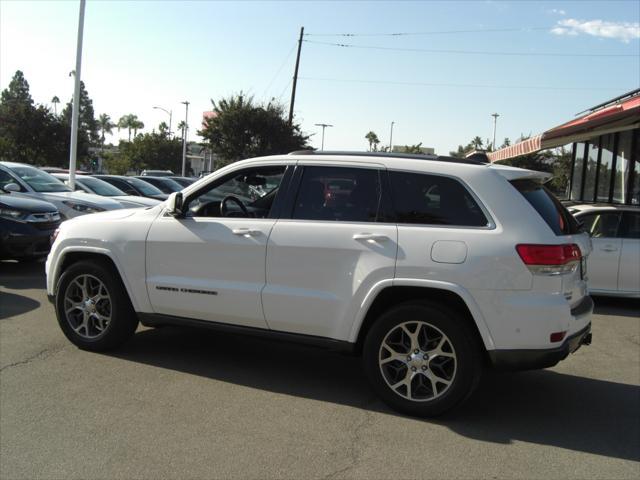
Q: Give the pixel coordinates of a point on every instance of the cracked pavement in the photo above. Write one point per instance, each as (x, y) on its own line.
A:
(182, 403)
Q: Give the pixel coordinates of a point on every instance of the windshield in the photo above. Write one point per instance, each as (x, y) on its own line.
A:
(40, 181)
(166, 185)
(144, 187)
(100, 187)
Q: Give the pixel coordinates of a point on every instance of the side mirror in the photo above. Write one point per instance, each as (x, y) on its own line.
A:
(174, 205)
(11, 187)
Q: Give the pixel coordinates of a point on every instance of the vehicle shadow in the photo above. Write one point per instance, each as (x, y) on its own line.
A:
(22, 276)
(543, 407)
(12, 305)
(626, 307)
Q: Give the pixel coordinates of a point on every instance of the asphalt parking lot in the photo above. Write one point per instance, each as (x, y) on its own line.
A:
(182, 403)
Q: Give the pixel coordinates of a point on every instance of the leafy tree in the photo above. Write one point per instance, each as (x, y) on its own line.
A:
(29, 133)
(416, 149)
(152, 150)
(116, 164)
(477, 143)
(181, 126)
(163, 129)
(87, 123)
(373, 140)
(241, 128)
(105, 125)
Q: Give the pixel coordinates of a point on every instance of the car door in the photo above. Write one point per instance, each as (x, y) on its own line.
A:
(629, 274)
(328, 251)
(210, 265)
(604, 261)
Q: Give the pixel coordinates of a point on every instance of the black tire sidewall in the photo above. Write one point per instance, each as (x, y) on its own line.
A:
(469, 361)
(123, 319)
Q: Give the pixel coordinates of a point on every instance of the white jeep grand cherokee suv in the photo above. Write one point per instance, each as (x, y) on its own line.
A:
(431, 268)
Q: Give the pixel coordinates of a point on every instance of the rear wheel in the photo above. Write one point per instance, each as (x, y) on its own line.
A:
(422, 359)
(93, 308)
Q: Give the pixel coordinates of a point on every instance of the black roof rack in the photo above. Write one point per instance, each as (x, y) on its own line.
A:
(624, 96)
(414, 156)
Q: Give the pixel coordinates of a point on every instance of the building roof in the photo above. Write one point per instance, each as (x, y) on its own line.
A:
(619, 113)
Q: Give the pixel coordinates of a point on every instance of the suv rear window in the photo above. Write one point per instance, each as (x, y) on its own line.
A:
(548, 207)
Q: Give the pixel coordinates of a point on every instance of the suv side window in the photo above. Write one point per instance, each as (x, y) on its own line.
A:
(341, 194)
(124, 186)
(630, 226)
(255, 189)
(433, 200)
(601, 225)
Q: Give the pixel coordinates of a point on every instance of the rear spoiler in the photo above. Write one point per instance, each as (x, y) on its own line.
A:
(513, 173)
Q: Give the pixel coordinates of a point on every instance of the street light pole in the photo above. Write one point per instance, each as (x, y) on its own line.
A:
(323, 125)
(391, 137)
(184, 137)
(495, 121)
(73, 151)
(168, 112)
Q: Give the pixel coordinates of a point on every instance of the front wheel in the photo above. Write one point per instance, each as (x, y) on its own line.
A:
(93, 308)
(422, 359)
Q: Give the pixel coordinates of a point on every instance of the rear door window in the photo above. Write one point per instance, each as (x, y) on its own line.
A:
(630, 226)
(548, 207)
(434, 200)
(601, 225)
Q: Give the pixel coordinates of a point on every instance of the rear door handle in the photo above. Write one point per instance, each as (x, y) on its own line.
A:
(609, 249)
(245, 232)
(375, 237)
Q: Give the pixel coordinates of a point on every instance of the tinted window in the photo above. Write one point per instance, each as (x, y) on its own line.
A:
(601, 225)
(39, 180)
(339, 194)
(120, 185)
(166, 185)
(630, 226)
(144, 187)
(99, 187)
(548, 206)
(6, 179)
(433, 200)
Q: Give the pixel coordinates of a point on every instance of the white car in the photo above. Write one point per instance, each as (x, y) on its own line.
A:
(85, 183)
(28, 181)
(614, 264)
(429, 267)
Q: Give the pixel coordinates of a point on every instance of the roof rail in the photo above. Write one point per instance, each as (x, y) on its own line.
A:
(413, 156)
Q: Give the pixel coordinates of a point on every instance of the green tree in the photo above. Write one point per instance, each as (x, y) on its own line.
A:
(116, 164)
(87, 124)
(477, 143)
(415, 149)
(163, 129)
(373, 140)
(180, 127)
(241, 129)
(105, 125)
(152, 150)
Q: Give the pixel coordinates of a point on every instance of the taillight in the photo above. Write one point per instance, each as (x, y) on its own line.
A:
(550, 259)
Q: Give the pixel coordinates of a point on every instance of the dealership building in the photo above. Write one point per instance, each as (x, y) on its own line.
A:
(605, 139)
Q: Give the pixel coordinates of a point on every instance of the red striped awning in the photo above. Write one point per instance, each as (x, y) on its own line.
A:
(529, 145)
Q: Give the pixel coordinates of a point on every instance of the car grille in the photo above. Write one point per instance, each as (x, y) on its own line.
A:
(46, 225)
(45, 221)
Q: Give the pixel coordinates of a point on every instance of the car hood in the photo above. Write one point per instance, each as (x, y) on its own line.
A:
(86, 198)
(26, 204)
(103, 216)
(142, 201)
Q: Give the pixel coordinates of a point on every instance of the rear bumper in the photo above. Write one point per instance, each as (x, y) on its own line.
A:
(511, 360)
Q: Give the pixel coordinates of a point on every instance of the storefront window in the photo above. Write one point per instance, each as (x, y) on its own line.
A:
(635, 187)
(623, 165)
(592, 166)
(604, 175)
(576, 183)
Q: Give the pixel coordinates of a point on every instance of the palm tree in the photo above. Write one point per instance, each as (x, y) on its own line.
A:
(477, 143)
(130, 122)
(181, 126)
(373, 140)
(55, 100)
(105, 125)
(137, 125)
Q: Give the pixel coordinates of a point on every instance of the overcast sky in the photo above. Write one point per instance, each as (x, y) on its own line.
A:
(535, 63)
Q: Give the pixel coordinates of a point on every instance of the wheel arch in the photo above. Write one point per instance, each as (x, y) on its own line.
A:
(390, 293)
(69, 257)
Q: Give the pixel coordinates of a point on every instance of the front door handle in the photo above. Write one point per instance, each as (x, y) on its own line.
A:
(245, 232)
(609, 248)
(374, 237)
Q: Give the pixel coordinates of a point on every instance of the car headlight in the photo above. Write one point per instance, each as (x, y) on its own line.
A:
(12, 214)
(82, 207)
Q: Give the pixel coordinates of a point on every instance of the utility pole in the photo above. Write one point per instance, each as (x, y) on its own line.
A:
(73, 151)
(391, 137)
(184, 137)
(323, 125)
(295, 78)
(495, 121)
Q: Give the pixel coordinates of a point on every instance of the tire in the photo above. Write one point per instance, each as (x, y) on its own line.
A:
(86, 325)
(426, 369)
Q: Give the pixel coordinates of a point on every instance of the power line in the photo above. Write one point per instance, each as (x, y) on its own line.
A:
(455, 85)
(431, 32)
(293, 47)
(470, 52)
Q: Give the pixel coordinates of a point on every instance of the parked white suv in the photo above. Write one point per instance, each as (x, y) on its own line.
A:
(430, 267)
